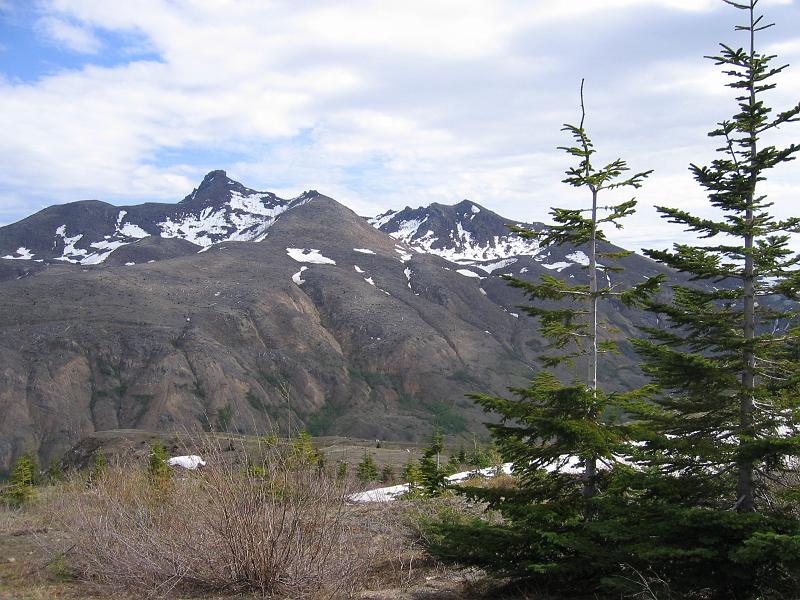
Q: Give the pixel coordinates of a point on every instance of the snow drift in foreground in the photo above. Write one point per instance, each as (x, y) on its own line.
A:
(566, 464)
(388, 494)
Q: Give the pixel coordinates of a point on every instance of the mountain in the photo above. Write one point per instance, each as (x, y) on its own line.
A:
(87, 232)
(317, 320)
(472, 236)
(465, 232)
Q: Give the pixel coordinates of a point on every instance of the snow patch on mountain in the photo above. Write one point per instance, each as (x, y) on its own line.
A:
(296, 277)
(382, 219)
(22, 253)
(405, 255)
(70, 253)
(393, 492)
(104, 248)
(558, 266)
(494, 266)
(130, 230)
(309, 255)
(578, 257)
(245, 218)
(363, 250)
(468, 273)
(461, 246)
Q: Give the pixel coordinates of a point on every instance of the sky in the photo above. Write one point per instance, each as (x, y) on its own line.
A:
(378, 104)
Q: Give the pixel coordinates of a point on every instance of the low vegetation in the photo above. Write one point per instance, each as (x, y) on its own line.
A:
(277, 526)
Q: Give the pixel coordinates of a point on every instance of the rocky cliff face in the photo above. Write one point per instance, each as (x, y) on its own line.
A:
(317, 320)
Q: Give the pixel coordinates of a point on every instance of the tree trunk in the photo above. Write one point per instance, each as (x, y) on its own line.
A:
(744, 488)
(590, 471)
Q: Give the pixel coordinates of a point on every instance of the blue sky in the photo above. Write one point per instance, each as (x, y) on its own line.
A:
(377, 104)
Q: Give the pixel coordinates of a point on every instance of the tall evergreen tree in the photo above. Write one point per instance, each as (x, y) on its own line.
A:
(432, 475)
(552, 425)
(556, 433)
(719, 428)
(727, 362)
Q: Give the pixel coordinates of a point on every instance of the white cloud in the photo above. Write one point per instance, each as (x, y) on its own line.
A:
(68, 35)
(378, 104)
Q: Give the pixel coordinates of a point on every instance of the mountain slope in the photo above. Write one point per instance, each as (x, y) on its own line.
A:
(324, 323)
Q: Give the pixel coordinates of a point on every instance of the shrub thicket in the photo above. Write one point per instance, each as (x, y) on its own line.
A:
(283, 529)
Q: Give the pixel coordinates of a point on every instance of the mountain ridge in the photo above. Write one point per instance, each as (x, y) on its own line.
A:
(317, 320)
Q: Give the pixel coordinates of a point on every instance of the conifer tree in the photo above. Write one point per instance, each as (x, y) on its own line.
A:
(727, 418)
(552, 428)
(432, 475)
(157, 469)
(367, 470)
(411, 473)
(23, 479)
(552, 425)
(387, 474)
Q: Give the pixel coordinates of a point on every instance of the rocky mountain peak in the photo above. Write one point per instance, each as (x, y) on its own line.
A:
(463, 232)
(215, 190)
(88, 232)
(212, 175)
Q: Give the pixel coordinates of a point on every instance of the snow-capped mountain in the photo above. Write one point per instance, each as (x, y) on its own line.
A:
(213, 311)
(88, 232)
(469, 234)
(465, 232)
(220, 209)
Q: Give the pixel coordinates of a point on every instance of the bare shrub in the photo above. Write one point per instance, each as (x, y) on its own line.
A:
(276, 525)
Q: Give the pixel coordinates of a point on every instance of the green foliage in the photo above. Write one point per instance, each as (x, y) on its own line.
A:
(705, 508)
(387, 474)
(431, 474)
(254, 401)
(411, 473)
(341, 471)
(727, 416)
(549, 424)
(376, 379)
(23, 479)
(98, 468)
(270, 440)
(59, 569)
(26, 470)
(445, 418)
(303, 452)
(273, 379)
(54, 473)
(453, 465)
(224, 417)
(319, 422)
(367, 470)
(157, 469)
(481, 457)
(697, 552)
